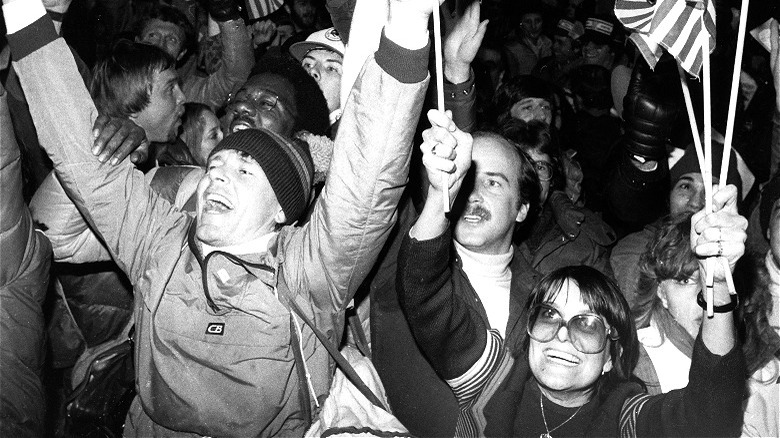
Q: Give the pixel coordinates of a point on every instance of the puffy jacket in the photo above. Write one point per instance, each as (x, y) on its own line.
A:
(24, 278)
(187, 381)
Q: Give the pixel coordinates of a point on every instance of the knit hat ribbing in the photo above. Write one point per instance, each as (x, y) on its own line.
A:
(287, 165)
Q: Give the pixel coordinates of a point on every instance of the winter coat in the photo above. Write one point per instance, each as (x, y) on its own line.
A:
(186, 381)
(24, 278)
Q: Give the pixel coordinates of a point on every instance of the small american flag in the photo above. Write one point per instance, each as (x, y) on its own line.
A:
(261, 8)
(674, 25)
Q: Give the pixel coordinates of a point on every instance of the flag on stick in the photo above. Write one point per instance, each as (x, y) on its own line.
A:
(261, 8)
(674, 25)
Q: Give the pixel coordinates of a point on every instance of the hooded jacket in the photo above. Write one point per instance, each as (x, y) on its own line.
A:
(241, 381)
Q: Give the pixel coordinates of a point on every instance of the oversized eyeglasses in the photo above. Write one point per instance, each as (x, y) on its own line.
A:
(588, 332)
(262, 99)
(544, 170)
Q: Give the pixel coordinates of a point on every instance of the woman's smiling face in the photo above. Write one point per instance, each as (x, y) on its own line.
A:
(563, 373)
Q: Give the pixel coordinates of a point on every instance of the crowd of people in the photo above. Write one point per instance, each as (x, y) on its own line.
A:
(234, 194)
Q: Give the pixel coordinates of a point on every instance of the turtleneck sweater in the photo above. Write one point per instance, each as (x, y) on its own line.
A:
(491, 278)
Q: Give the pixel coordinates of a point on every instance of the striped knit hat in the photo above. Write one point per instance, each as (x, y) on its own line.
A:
(287, 165)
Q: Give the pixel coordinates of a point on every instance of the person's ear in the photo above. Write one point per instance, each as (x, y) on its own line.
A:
(280, 217)
(523, 213)
(661, 292)
(607, 366)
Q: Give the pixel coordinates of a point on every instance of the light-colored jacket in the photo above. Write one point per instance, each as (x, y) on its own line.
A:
(186, 380)
(24, 278)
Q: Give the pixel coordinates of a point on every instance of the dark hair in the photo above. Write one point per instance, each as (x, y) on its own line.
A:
(536, 136)
(309, 100)
(527, 180)
(170, 14)
(122, 82)
(516, 89)
(668, 257)
(604, 298)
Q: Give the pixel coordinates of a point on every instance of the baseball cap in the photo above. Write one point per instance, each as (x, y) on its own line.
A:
(322, 39)
(599, 31)
(570, 29)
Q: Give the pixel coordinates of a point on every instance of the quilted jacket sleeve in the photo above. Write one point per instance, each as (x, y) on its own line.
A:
(115, 200)
(24, 279)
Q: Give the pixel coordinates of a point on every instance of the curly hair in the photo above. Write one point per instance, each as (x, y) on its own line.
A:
(760, 341)
(309, 100)
(668, 257)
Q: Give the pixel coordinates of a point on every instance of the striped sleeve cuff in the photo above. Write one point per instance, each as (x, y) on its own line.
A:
(470, 383)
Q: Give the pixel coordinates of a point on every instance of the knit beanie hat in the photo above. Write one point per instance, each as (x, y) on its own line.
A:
(287, 165)
(689, 163)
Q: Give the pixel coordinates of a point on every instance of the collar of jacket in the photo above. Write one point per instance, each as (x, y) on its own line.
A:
(523, 277)
(253, 265)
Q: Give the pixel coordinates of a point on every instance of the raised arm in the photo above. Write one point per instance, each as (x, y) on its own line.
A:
(711, 404)
(237, 58)
(358, 205)
(114, 199)
(448, 329)
(24, 278)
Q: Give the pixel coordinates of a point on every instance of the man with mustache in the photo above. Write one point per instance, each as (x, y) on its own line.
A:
(500, 191)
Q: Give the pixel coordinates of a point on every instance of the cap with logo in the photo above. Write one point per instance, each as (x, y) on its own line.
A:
(600, 31)
(328, 39)
(570, 29)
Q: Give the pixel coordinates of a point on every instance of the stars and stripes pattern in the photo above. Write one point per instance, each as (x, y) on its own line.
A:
(261, 8)
(678, 26)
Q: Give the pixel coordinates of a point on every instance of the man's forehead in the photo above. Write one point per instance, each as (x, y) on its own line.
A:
(270, 81)
(323, 52)
(161, 26)
(494, 155)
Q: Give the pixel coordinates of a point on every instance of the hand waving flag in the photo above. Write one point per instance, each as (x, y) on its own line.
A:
(675, 25)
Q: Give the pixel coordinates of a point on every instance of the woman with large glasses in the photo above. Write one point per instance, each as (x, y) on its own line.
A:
(572, 374)
(560, 233)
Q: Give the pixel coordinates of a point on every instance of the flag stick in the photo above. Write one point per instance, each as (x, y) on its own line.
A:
(691, 117)
(707, 171)
(445, 178)
(724, 165)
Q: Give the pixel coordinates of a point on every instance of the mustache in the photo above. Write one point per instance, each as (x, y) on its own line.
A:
(476, 210)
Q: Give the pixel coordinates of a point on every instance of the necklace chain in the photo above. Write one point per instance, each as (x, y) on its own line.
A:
(549, 431)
